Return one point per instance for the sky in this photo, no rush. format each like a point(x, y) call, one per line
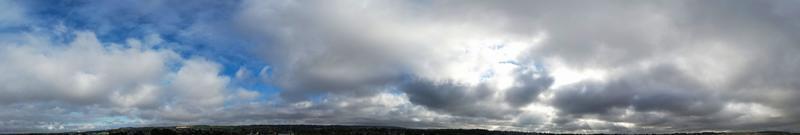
point(560, 66)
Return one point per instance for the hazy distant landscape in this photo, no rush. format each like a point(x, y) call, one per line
point(335, 130)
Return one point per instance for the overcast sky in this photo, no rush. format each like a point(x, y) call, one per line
point(528, 65)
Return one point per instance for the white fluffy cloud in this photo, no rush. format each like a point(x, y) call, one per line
point(81, 71)
point(107, 80)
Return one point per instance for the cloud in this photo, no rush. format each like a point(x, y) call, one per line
point(481, 100)
point(689, 76)
point(455, 98)
point(664, 60)
point(198, 79)
point(102, 80)
point(323, 55)
point(14, 15)
point(528, 86)
point(556, 66)
point(660, 90)
point(80, 71)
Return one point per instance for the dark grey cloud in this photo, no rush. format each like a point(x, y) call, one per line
point(453, 98)
point(660, 89)
point(481, 100)
point(530, 84)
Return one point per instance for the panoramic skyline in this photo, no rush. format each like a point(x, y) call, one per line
point(557, 66)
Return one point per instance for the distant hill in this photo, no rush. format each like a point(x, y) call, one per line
point(328, 130)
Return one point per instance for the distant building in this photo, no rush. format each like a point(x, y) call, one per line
point(182, 127)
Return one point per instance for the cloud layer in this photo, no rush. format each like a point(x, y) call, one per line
point(544, 66)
